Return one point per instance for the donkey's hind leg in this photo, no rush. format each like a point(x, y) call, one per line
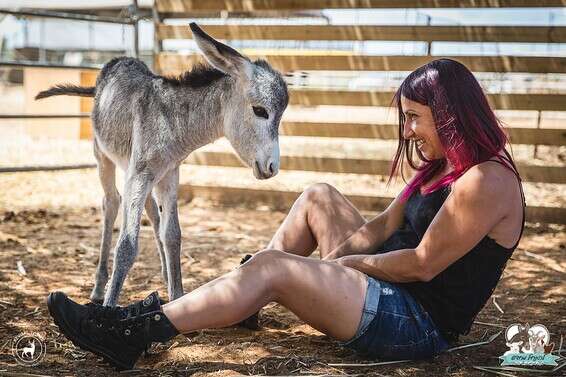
point(153, 213)
point(138, 185)
point(110, 206)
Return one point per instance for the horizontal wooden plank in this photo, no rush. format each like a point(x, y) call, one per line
point(529, 136)
point(172, 63)
point(306, 163)
point(529, 173)
point(553, 215)
point(527, 34)
point(283, 200)
point(278, 199)
point(178, 8)
point(538, 136)
point(351, 130)
point(545, 174)
point(508, 101)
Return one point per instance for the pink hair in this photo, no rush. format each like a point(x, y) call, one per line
point(468, 129)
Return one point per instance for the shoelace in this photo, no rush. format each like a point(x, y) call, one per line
point(113, 318)
point(110, 316)
point(101, 315)
point(101, 312)
point(132, 310)
point(133, 313)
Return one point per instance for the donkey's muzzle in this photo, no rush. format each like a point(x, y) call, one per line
point(264, 172)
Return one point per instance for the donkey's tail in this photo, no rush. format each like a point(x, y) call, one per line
point(67, 89)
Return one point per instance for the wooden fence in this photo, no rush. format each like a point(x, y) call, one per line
point(174, 63)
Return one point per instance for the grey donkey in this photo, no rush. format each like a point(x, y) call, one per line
point(148, 124)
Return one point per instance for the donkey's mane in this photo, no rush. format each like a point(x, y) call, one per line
point(200, 75)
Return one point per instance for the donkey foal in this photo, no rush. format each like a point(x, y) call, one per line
point(148, 124)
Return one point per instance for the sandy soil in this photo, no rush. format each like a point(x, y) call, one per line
point(50, 222)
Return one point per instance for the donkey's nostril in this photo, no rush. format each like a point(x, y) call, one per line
point(270, 168)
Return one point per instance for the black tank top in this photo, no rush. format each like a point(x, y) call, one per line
point(456, 295)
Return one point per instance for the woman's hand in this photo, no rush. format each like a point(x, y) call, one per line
point(346, 261)
point(372, 234)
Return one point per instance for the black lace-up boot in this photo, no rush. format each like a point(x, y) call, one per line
point(252, 322)
point(151, 303)
point(120, 335)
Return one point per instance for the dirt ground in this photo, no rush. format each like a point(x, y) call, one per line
point(57, 246)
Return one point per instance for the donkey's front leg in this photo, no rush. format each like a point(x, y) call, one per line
point(153, 214)
point(170, 231)
point(137, 187)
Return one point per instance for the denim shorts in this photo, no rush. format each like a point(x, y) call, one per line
point(394, 326)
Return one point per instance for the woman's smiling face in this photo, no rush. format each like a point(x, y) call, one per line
point(420, 127)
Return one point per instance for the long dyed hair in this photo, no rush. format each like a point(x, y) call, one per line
point(467, 127)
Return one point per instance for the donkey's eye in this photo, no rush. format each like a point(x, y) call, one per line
point(260, 112)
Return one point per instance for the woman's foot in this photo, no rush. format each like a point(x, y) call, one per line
point(120, 335)
point(252, 322)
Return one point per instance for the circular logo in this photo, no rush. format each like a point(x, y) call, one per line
point(28, 349)
point(522, 338)
point(148, 301)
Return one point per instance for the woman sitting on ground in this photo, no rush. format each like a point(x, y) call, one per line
point(400, 286)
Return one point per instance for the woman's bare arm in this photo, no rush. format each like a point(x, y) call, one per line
point(478, 202)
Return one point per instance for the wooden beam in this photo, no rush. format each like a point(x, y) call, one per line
point(305, 163)
point(88, 78)
point(172, 63)
point(527, 34)
point(529, 173)
point(545, 174)
point(350, 130)
point(518, 135)
point(278, 199)
point(532, 136)
point(315, 97)
point(283, 200)
point(555, 215)
point(181, 8)
point(537, 136)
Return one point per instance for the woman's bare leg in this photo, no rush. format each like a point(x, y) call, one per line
point(321, 217)
point(326, 295)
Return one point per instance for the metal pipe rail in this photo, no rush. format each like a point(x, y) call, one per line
point(32, 64)
point(69, 16)
point(21, 169)
point(43, 116)
point(132, 19)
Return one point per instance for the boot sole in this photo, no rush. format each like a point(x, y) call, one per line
point(77, 341)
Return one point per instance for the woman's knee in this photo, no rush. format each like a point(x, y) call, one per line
point(265, 260)
point(318, 193)
point(271, 264)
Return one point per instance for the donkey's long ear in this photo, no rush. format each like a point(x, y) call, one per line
point(220, 56)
